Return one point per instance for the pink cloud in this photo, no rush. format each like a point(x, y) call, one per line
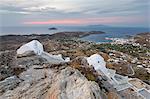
point(65, 21)
point(102, 20)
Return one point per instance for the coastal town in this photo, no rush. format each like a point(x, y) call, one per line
point(64, 67)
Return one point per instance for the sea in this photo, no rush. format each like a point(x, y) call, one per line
point(110, 32)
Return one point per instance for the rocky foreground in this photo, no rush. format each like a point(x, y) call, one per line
point(33, 77)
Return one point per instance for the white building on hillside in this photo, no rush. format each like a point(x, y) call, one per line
point(36, 47)
point(119, 82)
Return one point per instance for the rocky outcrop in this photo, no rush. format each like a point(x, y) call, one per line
point(82, 65)
point(27, 62)
point(7, 62)
point(46, 82)
point(73, 85)
point(9, 84)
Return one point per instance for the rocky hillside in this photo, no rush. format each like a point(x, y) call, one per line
point(33, 77)
point(49, 82)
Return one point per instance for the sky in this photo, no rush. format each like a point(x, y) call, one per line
point(74, 12)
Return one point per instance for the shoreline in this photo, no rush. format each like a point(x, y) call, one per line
point(82, 33)
point(71, 34)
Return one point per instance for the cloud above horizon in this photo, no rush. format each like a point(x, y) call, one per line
point(118, 12)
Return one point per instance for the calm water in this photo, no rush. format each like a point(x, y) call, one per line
point(115, 32)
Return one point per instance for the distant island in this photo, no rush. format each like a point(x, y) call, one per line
point(52, 28)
